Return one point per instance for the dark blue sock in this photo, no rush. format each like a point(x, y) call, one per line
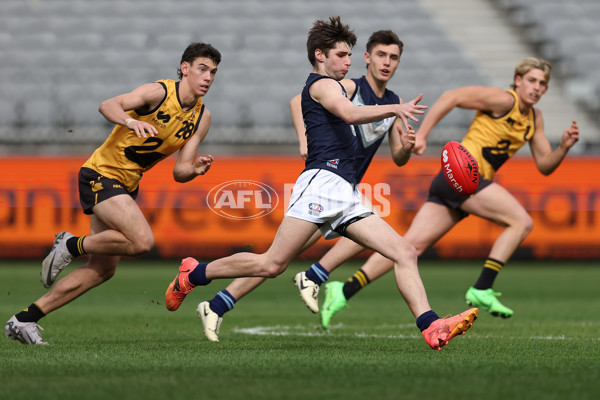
point(198, 276)
point(222, 302)
point(317, 274)
point(425, 319)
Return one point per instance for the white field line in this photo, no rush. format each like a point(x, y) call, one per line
point(302, 330)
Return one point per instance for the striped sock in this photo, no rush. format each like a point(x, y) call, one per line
point(75, 246)
point(222, 302)
point(356, 282)
point(317, 274)
point(490, 270)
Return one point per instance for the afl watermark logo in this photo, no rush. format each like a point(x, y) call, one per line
point(242, 199)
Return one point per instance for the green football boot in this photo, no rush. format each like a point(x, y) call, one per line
point(334, 302)
point(488, 300)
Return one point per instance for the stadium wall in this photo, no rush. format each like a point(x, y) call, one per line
point(239, 204)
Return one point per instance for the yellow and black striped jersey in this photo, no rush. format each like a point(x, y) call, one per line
point(125, 157)
point(493, 140)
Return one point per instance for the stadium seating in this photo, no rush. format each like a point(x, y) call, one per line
point(568, 34)
point(61, 58)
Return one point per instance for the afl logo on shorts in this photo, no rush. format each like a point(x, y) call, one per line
point(242, 199)
point(315, 209)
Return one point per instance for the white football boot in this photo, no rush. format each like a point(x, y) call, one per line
point(58, 258)
point(309, 291)
point(24, 332)
point(210, 320)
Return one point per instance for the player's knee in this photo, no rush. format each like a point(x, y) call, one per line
point(273, 270)
point(406, 252)
point(142, 246)
point(104, 269)
point(420, 249)
point(412, 253)
point(526, 225)
point(106, 274)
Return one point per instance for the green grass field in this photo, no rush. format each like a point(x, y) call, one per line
point(118, 341)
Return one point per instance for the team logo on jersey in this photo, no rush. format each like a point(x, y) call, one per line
point(163, 117)
point(333, 163)
point(242, 199)
point(315, 209)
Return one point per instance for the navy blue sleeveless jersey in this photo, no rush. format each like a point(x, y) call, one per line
point(370, 136)
point(330, 140)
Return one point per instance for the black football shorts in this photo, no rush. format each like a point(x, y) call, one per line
point(94, 188)
point(440, 192)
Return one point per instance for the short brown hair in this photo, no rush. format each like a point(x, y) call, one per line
point(195, 50)
point(324, 35)
point(385, 37)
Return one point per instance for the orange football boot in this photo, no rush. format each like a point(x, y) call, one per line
point(181, 285)
point(442, 330)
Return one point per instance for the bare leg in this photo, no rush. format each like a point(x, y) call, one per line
point(126, 230)
point(97, 270)
point(291, 238)
point(374, 233)
point(341, 252)
point(496, 204)
point(242, 286)
point(422, 234)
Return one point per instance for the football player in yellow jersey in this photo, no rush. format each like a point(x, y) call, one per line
point(504, 121)
point(151, 122)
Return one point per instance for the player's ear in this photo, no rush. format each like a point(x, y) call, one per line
point(320, 55)
point(185, 68)
point(517, 81)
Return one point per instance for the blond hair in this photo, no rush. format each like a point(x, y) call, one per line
point(530, 63)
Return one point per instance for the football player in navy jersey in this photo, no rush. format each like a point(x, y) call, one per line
point(382, 57)
point(505, 120)
point(109, 181)
point(325, 197)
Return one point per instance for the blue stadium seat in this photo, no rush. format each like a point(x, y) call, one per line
point(92, 50)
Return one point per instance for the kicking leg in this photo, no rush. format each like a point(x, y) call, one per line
point(422, 234)
point(374, 233)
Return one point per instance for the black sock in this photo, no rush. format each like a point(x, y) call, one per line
point(75, 246)
point(425, 319)
point(488, 274)
point(356, 282)
point(31, 314)
point(197, 276)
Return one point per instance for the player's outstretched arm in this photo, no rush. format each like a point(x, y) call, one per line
point(329, 94)
point(547, 160)
point(491, 99)
point(408, 110)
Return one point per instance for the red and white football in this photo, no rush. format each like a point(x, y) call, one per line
point(460, 168)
